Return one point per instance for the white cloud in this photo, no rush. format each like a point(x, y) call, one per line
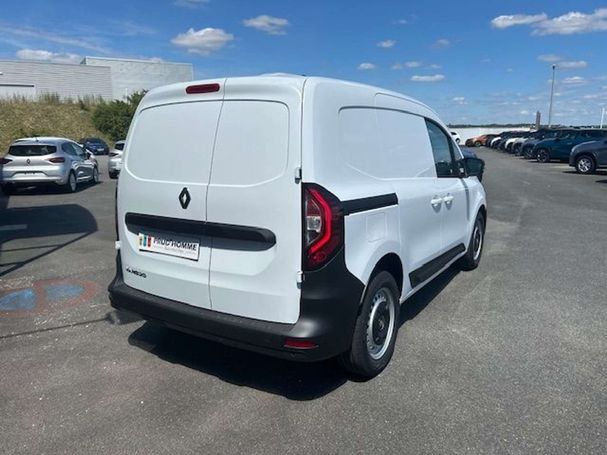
point(433, 78)
point(550, 58)
point(73, 41)
point(459, 99)
point(48, 56)
point(413, 64)
point(366, 66)
point(517, 19)
point(524, 112)
point(509, 70)
point(268, 24)
point(572, 64)
point(573, 22)
point(397, 66)
point(386, 44)
point(190, 3)
point(402, 22)
point(574, 80)
point(203, 41)
point(562, 64)
point(442, 43)
point(434, 66)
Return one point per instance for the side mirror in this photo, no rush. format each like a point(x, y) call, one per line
point(88, 155)
point(474, 167)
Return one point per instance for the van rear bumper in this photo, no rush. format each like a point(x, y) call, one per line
point(330, 300)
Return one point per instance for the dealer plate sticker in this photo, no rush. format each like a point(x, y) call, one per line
point(178, 246)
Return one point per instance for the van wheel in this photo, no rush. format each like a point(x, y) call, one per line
point(543, 156)
point(472, 257)
point(71, 184)
point(585, 165)
point(95, 175)
point(375, 331)
point(477, 144)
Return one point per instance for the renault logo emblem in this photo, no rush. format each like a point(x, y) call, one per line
point(184, 198)
point(28, 161)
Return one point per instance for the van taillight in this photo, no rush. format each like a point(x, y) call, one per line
point(202, 88)
point(58, 159)
point(323, 228)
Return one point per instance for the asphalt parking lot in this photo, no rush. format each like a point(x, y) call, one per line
point(510, 358)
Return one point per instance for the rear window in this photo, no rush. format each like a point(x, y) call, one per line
point(174, 142)
point(31, 150)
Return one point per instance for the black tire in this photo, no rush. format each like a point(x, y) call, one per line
point(373, 345)
point(113, 175)
point(528, 153)
point(543, 156)
point(95, 179)
point(477, 144)
point(72, 183)
point(473, 256)
point(517, 149)
point(585, 164)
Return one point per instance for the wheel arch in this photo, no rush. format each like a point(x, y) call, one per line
point(392, 264)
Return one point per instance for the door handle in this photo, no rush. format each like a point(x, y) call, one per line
point(436, 201)
point(448, 198)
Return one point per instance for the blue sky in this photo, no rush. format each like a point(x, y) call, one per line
point(472, 61)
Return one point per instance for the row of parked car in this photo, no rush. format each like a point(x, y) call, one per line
point(583, 148)
point(37, 161)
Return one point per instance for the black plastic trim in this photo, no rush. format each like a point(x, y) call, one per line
point(200, 228)
point(430, 268)
point(369, 203)
point(330, 299)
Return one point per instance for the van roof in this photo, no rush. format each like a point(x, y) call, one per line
point(161, 95)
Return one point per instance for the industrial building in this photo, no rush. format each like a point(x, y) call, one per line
point(98, 77)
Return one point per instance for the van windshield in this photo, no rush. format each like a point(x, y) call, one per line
point(31, 150)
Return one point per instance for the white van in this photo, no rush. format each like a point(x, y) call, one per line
point(290, 215)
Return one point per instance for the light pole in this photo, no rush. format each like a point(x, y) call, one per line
point(551, 97)
point(602, 116)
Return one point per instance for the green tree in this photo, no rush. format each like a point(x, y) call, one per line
point(114, 118)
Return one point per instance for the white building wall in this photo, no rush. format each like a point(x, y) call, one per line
point(470, 132)
point(68, 81)
point(129, 76)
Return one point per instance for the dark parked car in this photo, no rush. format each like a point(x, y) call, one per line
point(95, 145)
point(528, 147)
point(559, 148)
point(589, 156)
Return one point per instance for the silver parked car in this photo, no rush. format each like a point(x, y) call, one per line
point(114, 164)
point(47, 160)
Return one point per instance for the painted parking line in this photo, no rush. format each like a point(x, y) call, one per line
point(13, 227)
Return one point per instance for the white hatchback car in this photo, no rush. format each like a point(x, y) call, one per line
point(295, 215)
point(114, 164)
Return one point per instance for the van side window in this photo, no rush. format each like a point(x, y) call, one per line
point(441, 149)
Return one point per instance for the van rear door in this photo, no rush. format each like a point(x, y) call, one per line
point(253, 192)
point(162, 195)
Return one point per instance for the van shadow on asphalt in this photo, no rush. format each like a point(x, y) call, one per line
point(293, 380)
point(39, 222)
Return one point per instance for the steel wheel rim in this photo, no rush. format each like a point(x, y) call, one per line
point(380, 325)
point(584, 164)
point(72, 182)
point(477, 241)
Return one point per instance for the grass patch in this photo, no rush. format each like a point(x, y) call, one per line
point(47, 117)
